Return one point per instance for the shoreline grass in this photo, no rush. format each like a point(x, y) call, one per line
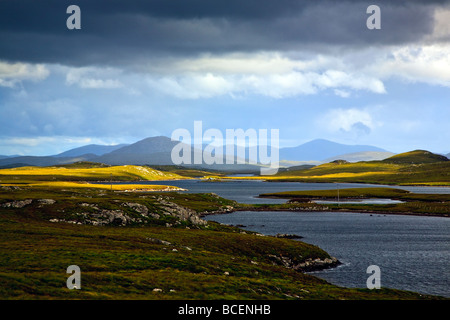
point(156, 262)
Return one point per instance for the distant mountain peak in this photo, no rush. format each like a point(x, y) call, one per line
point(149, 145)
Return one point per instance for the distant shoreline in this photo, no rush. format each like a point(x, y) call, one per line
point(344, 210)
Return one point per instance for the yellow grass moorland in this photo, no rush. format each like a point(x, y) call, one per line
point(60, 173)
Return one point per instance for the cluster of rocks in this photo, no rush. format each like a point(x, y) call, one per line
point(10, 188)
point(65, 221)
point(110, 217)
point(288, 236)
point(45, 202)
point(307, 265)
point(141, 209)
point(312, 208)
point(224, 209)
point(166, 243)
point(317, 264)
point(123, 217)
point(183, 213)
point(17, 204)
point(299, 200)
point(159, 241)
point(117, 217)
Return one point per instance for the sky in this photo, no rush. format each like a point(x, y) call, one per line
point(311, 69)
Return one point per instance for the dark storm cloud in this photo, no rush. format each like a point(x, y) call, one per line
point(126, 32)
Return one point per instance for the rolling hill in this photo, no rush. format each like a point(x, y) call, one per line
point(362, 156)
point(83, 171)
point(415, 167)
point(416, 157)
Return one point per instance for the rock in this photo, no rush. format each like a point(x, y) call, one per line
point(65, 221)
point(299, 200)
point(158, 241)
point(46, 201)
point(317, 264)
point(10, 188)
point(17, 204)
point(90, 205)
point(114, 217)
point(157, 290)
point(307, 265)
point(288, 236)
point(184, 214)
point(223, 209)
point(141, 209)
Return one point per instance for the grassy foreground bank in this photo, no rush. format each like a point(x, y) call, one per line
point(149, 246)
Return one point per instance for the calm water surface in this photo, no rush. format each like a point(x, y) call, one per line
point(412, 252)
point(246, 191)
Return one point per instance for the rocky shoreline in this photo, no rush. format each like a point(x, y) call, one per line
point(307, 265)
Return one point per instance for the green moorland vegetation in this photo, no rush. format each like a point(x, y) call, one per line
point(161, 252)
point(144, 245)
point(411, 168)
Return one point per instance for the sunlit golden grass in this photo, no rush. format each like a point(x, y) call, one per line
point(113, 187)
point(375, 172)
point(348, 175)
point(123, 173)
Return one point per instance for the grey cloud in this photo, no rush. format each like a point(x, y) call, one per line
point(123, 33)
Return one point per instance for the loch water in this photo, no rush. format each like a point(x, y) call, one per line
point(413, 252)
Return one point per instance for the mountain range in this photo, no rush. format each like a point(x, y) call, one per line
point(95, 149)
point(321, 149)
point(157, 151)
